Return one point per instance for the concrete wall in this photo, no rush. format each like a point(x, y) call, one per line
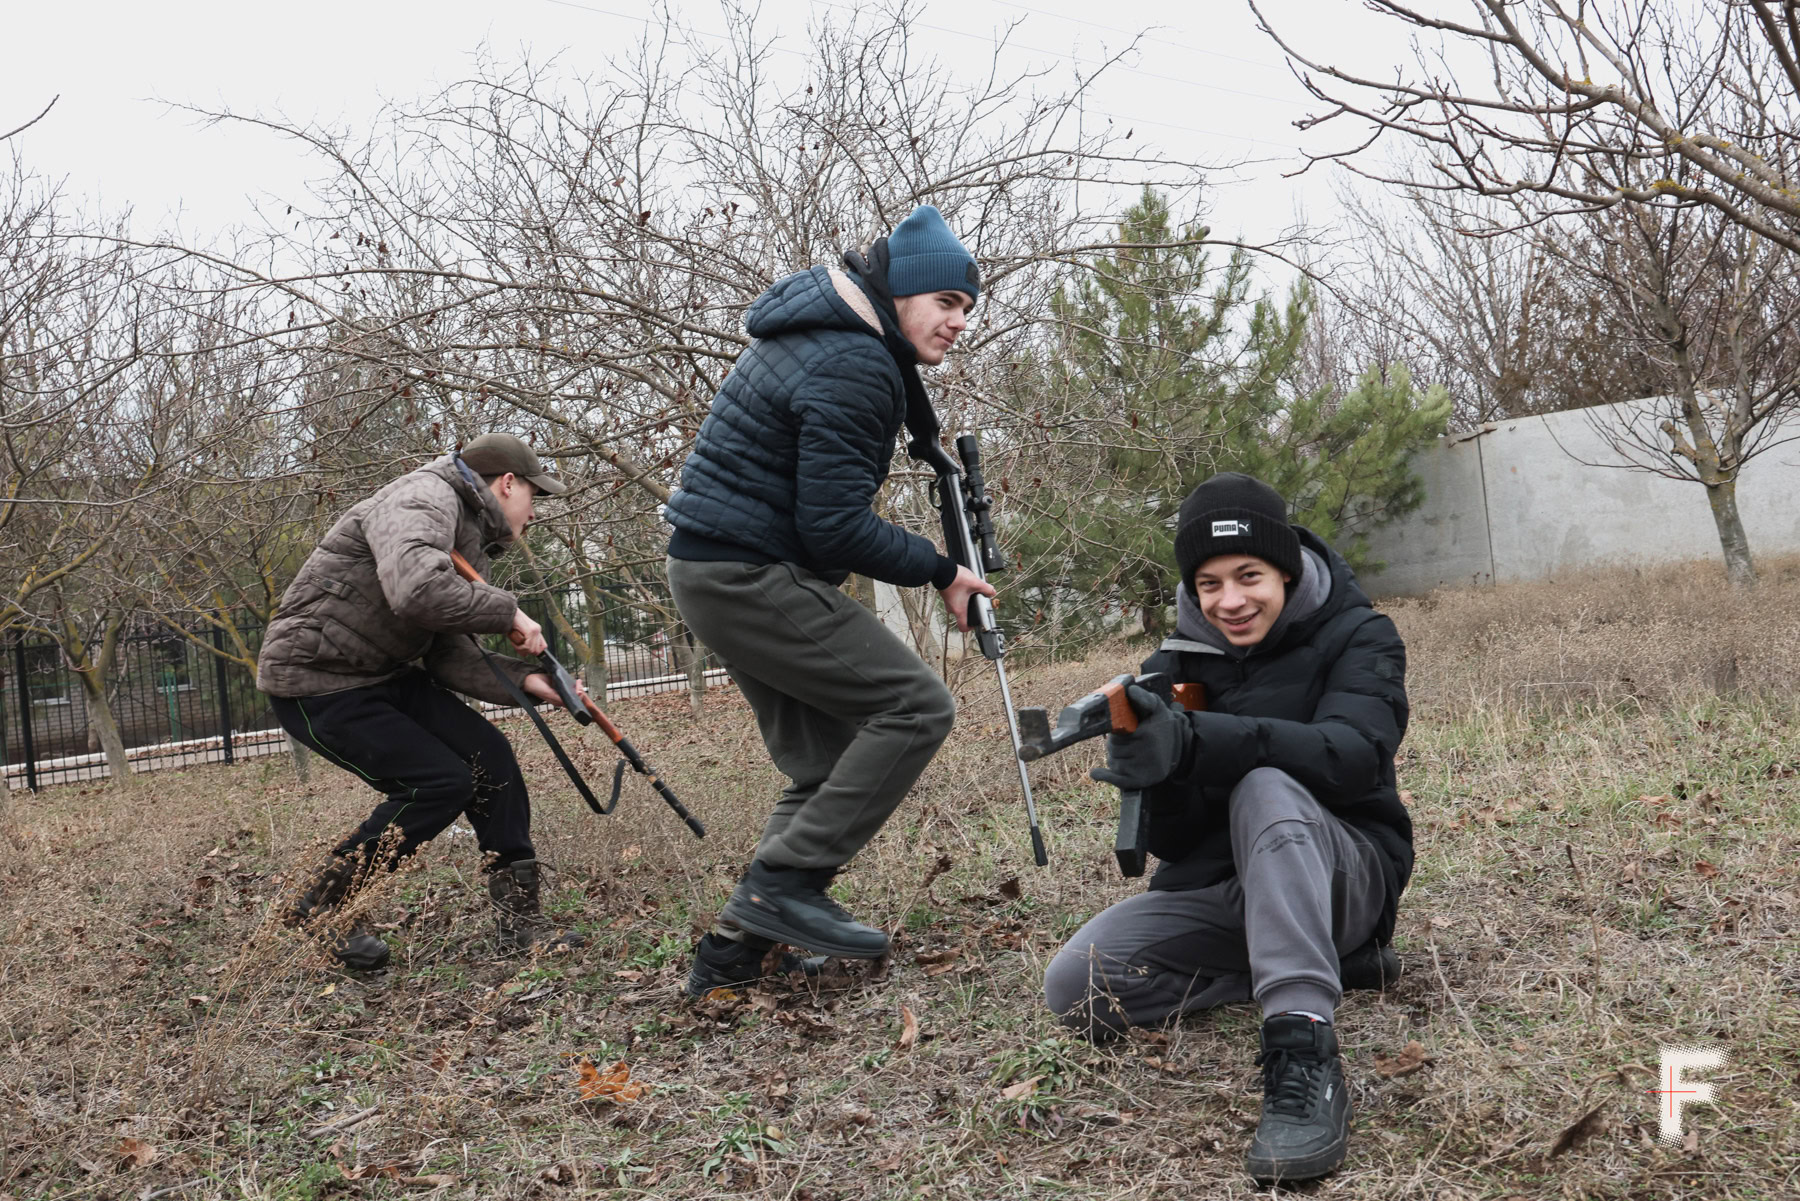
point(1527, 499)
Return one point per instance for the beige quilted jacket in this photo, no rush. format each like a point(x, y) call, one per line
point(379, 593)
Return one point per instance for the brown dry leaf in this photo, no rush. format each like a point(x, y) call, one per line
point(944, 863)
point(1580, 1131)
point(1023, 1088)
point(1707, 871)
point(1710, 800)
point(1690, 1142)
point(439, 1181)
point(441, 1060)
point(631, 974)
point(560, 1173)
point(801, 1020)
point(932, 958)
point(1668, 819)
point(1009, 888)
point(135, 1152)
point(909, 1029)
point(1412, 1057)
point(1660, 799)
point(615, 1084)
point(1630, 874)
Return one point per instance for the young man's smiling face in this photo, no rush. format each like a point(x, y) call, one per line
point(931, 321)
point(1240, 596)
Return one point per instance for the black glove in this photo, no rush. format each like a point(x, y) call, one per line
point(1152, 753)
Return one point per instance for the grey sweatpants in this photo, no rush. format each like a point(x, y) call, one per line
point(848, 712)
point(1308, 889)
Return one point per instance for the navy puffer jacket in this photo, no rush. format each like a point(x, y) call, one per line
point(799, 440)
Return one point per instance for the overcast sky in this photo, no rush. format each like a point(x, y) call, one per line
point(1204, 84)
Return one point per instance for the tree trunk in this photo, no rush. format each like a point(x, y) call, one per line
point(302, 759)
point(690, 656)
point(596, 672)
point(101, 720)
point(1740, 568)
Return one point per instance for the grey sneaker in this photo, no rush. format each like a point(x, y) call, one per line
point(791, 906)
point(1305, 1124)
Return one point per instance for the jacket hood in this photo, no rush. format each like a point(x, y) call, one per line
point(818, 298)
point(496, 531)
point(1326, 588)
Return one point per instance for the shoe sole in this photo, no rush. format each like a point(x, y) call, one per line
point(1294, 1171)
point(776, 933)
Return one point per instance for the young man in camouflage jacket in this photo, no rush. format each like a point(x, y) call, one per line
point(366, 646)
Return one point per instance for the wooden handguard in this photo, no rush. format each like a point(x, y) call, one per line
point(467, 571)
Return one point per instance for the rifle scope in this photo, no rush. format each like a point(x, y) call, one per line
point(968, 448)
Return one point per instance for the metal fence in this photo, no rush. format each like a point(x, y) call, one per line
point(178, 700)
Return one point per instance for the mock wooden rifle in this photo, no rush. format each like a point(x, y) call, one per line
point(582, 708)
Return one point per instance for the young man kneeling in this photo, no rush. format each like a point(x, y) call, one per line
point(1283, 842)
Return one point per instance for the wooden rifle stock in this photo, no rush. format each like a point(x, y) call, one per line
point(583, 709)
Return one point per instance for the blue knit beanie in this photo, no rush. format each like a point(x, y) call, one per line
point(924, 256)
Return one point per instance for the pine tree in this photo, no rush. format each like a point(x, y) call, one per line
point(1167, 372)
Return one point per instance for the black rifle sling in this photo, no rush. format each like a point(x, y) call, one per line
point(562, 756)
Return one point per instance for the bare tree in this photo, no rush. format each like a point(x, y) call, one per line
point(572, 260)
point(1646, 149)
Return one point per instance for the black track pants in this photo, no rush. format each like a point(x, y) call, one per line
point(432, 755)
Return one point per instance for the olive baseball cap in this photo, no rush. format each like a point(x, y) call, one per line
point(497, 454)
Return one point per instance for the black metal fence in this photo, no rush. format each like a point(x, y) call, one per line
point(178, 699)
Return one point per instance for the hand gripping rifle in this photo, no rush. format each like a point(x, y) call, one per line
point(584, 711)
point(962, 502)
point(1108, 711)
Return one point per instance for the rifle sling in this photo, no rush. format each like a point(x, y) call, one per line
point(562, 756)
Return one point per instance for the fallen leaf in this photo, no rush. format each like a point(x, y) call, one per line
point(1009, 888)
point(615, 1084)
point(135, 1152)
point(560, 1173)
point(443, 1181)
point(1023, 1088)
point(1659, 799)
point(1707, 871)
point(1579, 1131)
point(1412, 1057)
point(328, 990)
point(909, 1029)
point(1690, 1142)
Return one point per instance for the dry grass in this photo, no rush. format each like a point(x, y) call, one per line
point(145, 995)
point(1650, 635)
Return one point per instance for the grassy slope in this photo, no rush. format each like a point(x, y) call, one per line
point(144, 995)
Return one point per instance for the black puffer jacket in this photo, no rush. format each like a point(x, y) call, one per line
point(799, 440)
point(1325, 703)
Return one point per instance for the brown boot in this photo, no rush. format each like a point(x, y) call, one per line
point(518, 910)
point(331, 887)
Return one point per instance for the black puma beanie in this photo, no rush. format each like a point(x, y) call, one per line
point(1235, 514)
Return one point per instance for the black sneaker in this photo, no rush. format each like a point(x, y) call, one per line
point(792, 907)
point(1306, 1108)
point(360, 951)
point(1369, 966)
point(727, 963)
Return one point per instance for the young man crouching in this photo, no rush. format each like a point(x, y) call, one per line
point(1283, 842)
